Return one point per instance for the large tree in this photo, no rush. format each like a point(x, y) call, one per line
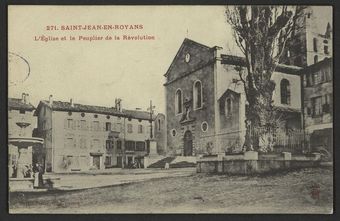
point(261, 33)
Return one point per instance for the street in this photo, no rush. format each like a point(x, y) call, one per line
point(302, 191)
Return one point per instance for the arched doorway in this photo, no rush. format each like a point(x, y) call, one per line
point(187, 143)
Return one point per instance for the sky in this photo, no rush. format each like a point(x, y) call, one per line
point(97, 72)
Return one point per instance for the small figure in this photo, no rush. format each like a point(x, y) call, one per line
point(15, 170)
point(36, 176)
point(41, 171)
point(31, 171)
point(26, 171)
point(167, 165)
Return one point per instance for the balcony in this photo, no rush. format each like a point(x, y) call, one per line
point(113, 134)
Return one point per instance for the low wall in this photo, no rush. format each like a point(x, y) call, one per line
point(16, 184)
point(252, 163)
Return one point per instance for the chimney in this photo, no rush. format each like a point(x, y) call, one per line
point(71, 102)
point(118, 104)
point(328, 33)
point(50, 99)
point(27, 99)
point(23, 98)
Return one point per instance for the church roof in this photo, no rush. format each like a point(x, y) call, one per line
point(236, 60)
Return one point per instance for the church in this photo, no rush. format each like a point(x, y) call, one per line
point(205, 107)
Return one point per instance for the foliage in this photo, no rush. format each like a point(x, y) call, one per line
point(233, 145)
point(210, 148)
point(261, 33)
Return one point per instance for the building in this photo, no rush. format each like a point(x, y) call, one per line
point(206, 108)
point(21, 145)
point(82, 137)
point(318, 104)
point(308, 43)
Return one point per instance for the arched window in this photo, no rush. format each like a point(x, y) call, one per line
point(197, 94)
point(228, 106)
point(316, 59)
point(178, 101)
point(315, 44)
point(285, 91)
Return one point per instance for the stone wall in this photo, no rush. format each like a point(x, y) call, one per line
point(250, 163)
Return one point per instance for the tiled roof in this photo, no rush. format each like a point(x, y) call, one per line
point(144, 115)
point(66, 106)
point(236, 60)
point(18, 104)
point(317, 66)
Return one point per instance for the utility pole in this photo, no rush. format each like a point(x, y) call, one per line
point(151, 110)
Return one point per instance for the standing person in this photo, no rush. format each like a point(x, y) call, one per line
point(15, 170)
point(167, 165)
point(31, 170)
point(36, 176)
point(40, 175)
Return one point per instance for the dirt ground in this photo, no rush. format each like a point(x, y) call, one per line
point(302, 191)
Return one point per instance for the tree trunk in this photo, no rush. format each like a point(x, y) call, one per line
point(259, 117)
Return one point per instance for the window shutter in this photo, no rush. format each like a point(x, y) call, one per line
point(309, 111)
point(75, 142)
point(325, 108)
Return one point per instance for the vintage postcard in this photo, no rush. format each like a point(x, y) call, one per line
point(170, 109)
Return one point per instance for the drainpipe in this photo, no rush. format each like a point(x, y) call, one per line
point(123, 146)
point(217, 62)
point(302, 110)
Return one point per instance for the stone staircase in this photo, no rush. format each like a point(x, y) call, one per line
point(175, 162)
point(161, 163)
point(183, 162)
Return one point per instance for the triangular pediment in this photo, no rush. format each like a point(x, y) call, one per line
point(229, 93)
point(190, 57)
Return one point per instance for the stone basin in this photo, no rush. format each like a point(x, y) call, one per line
point(25, 141)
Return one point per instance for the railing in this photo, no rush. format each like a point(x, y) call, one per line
point(291, 140)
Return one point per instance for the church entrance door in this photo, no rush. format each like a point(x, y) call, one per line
point(188, 143)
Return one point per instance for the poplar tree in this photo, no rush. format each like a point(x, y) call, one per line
point(261, 33)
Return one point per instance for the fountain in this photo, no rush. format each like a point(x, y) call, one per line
point(22, 143)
